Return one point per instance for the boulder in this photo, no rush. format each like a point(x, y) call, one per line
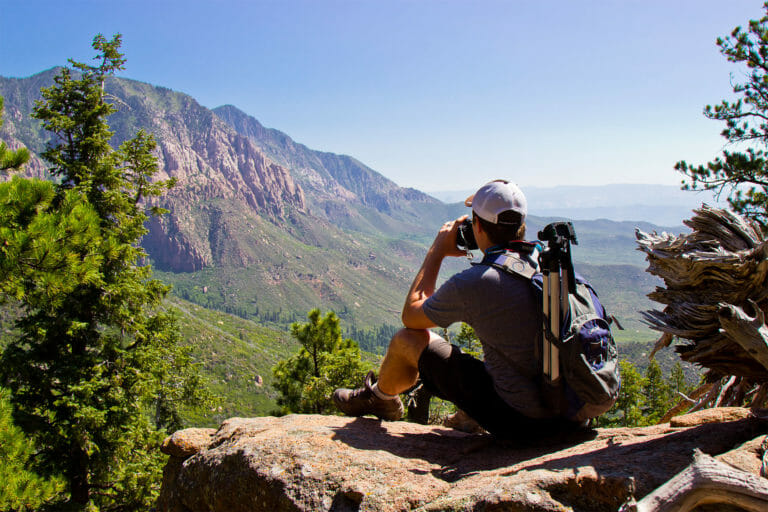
point(187, 442)
point(332, 463)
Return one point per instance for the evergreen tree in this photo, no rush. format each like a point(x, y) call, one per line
point(468, 341)
point(20, 488)
point(743, 172)
point(657, 393)
point(97, 367)
point(677, 382)
point(631, 399)
point(324, 362)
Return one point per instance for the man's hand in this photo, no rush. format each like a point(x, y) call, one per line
point(424, 283)
point(445, 241)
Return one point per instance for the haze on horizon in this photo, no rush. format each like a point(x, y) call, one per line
point(435, 95)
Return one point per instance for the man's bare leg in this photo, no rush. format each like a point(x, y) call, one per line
point(399, 370)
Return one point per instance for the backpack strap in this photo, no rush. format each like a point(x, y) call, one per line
point(517, 258)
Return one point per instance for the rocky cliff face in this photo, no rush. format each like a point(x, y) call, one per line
point(211, 161)
point(321, 463)
point(213, 165)
point(338, 186)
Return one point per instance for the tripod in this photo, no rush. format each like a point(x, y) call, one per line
point(558, 280)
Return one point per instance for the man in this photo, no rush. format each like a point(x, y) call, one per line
point(501, 393)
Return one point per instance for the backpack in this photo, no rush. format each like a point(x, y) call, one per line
point(589, 380)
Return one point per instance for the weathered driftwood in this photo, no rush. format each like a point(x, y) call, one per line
point(709, 398)
point(748, 331)
point(715, 294)
point(706, 481)
point(760, 396)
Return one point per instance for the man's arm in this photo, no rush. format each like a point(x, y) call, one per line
point(423, 285)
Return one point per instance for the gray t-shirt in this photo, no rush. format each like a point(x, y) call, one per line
point(502, 309)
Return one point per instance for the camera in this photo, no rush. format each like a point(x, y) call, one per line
point(465, 237)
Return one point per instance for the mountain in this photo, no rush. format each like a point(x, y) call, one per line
point(265, 228)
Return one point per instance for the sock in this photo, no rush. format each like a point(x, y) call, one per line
point(379, 393)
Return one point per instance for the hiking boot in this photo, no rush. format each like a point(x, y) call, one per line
point(362, 401)
point(460, 420)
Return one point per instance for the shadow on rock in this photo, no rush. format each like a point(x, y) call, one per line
point(457, 453)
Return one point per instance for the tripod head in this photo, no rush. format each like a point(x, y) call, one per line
point(558, 235)
point(557, 255)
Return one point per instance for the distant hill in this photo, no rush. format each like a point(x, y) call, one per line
point(237, 356)
point(664, 205)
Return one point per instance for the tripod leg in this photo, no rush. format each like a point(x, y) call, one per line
point(554, 325)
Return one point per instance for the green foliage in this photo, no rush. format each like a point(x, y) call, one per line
point(20, 488)
point(646, 397)
point(324, 362)
point(237, 356)
point(677, 380)
point(46, 250)
point(96, 372)
point(631, 398)
point(468, 341)
point(743, 171)
point(657, 392)
point(9, 159)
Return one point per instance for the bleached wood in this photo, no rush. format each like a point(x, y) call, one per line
point(759, 398)
point(710, 396)
point(707, 481)
point(750, 332)
point(724, 391)
point(710, 277)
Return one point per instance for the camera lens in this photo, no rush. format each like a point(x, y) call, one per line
point(465, 237)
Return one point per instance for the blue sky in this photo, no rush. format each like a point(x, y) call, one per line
point(437, 95)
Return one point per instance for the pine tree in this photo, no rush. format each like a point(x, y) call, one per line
point(20, 488)
point(677, 382)
point(468, 341)
point(658, 395)
point(631, 399)
point(324, 362)
point(97, 367)
point(743, 171)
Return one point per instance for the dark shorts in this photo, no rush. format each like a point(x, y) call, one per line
point(462, 379)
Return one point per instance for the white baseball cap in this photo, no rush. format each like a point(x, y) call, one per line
point(496, 197)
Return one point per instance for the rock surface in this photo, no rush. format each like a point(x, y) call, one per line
point(313, 463)
point(716, 415)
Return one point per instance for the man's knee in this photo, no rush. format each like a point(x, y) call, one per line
point(410, 343)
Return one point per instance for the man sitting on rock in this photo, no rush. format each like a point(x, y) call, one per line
point(502, 392)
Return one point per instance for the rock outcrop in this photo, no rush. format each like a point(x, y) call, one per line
point(314, 463)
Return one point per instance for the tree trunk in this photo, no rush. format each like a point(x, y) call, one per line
point(79, 486)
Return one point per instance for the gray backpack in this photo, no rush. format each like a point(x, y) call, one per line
point(579, 365)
